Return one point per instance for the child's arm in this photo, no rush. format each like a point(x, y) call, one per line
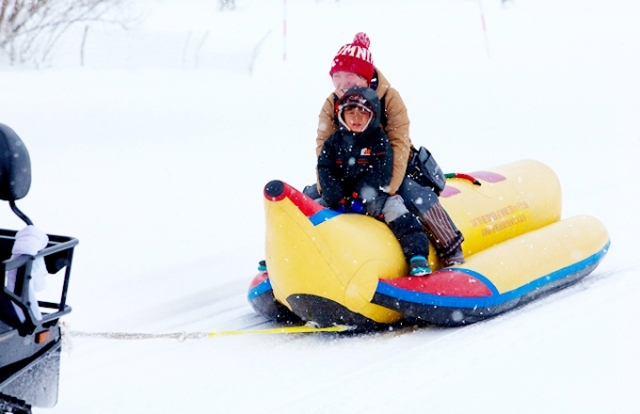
point(329, 175)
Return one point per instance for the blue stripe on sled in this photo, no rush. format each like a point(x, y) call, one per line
point(322, 216)
point(260, 288)
point(496, 298)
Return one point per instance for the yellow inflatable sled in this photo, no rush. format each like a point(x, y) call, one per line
point(331, 268)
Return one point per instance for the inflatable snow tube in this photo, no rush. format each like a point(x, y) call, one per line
point(331, 268)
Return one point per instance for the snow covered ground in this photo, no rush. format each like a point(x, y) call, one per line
point(156, 162)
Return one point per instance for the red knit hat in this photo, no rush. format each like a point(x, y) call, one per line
point(355, 58)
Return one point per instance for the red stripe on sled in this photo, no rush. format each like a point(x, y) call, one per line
point(447, 282)
point(306, 205)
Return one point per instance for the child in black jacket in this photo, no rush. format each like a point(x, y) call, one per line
point(354, 168)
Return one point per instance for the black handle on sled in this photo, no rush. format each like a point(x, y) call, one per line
point(463, 176)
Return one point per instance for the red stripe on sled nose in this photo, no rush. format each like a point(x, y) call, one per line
point(307, 206)
point(449, 282)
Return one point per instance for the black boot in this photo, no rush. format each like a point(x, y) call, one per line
point(456, 258)
point(410, 235)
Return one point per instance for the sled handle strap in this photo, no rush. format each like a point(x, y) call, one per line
point(463, 176)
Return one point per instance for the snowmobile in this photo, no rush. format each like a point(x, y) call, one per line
point(30, 341)
point(329, 268)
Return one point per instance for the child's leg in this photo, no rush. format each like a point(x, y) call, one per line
point(443, 234)
point(424, 203)
point(311, 191)
point(406, 228)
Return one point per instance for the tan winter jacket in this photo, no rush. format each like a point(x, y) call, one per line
point(397, 128)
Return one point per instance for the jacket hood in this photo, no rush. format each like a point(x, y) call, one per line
point(364, 95)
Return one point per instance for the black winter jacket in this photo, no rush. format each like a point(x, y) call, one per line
point(356, 162)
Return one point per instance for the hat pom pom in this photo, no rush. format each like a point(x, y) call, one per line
point(363, 39)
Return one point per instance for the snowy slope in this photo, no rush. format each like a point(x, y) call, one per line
point(157, 165)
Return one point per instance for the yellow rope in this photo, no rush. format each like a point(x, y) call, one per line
point(282, 330)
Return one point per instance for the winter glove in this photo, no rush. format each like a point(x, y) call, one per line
point(375, 206)
point(349, 205)
point(357, 206)
point(371, 205)
point(342, 206)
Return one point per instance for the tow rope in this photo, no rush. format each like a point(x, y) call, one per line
point(183, 336)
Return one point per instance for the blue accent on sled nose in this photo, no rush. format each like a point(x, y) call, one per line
point(322, 216)
point(260, 288)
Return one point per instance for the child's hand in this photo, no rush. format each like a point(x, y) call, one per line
point(342, 206)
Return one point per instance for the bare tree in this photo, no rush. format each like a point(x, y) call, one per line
point(227, 4)
point(30, 28)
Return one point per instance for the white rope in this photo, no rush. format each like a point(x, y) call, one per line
point(179, 336)
point(67, 333)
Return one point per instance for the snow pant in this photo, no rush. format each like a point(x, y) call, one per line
point(311, 191)
point(405, 227)
point(423, 202)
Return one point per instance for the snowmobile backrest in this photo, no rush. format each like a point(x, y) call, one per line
point(15, 166)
